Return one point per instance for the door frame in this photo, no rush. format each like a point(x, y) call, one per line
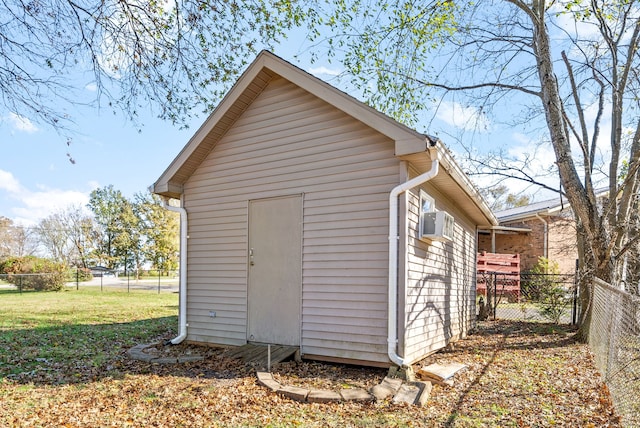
point(300, 272)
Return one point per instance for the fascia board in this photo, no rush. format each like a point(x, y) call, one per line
point(348, 104)
point(223, 107)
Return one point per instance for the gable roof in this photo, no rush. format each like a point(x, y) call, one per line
point(256, 77)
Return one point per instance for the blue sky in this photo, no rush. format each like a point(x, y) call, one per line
point(37, 178)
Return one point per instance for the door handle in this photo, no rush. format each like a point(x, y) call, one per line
point(251, 262)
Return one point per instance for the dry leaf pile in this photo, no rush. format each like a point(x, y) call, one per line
point(518, 374)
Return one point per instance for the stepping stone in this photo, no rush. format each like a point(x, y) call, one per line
point(388, 387)
point(414, 393)
point(441, 372)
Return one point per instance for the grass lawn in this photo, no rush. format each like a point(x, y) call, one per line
point(63, 362)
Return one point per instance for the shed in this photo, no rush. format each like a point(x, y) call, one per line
point(309, 219)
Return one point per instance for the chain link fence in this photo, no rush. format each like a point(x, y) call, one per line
point(149, 280)
point(527, 297)
point(614, 339)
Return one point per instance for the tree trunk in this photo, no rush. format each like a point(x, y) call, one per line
point(584, 281)
point(592, 237)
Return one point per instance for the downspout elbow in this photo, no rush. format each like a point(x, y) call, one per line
point(182, 315)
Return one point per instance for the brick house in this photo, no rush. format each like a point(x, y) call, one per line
point(545, 228)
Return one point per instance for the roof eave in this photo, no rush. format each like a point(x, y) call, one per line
point(452, 167)
point(167, 189)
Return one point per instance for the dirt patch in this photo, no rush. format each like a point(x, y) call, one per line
point(334, 377)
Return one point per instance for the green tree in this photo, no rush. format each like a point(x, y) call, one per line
point(129, 244)
point(82, 235)
point(161, 231)
point(572, 65)
point(119, 241)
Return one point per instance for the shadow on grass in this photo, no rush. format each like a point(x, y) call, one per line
point(75, 353)
point(538, 335)
point(514, 335)
point(14, 290)
point(83, 353)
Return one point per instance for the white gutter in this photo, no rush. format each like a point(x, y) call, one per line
point(392, 320)
point(182, 314)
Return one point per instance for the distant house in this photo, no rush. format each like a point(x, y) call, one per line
point(100, 271)
point(541, 229)
point(317, 222)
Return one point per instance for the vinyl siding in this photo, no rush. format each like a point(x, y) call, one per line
point(289, 142)
point(440, 285)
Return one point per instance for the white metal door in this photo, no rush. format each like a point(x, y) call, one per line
point(275, 270)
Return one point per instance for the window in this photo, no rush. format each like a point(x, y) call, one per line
point(434, 225)
point(427, 206)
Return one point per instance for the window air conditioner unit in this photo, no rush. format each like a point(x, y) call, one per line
point(437, 226)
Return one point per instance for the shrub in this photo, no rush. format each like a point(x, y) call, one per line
point(553, 303)
point(534, 282)
point(80, 274)
point(34, 273)
point(544, 286)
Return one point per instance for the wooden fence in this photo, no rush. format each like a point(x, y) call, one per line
point(508, 268)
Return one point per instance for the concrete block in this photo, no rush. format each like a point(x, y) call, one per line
point(425, 393)
point(262, 376)
point(266, 379)
point(407, 394)
point(293, 392)
point(323, 396)
point(355, 394)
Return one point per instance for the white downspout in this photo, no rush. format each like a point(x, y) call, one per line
point(392, 320)
point(545, 245)
point(182, 314)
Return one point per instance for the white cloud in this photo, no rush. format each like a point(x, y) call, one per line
point(458, 116)
point(9, 183)
point(21, 123)
point(31, 206)
point(322, 70)
point(91, 87)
